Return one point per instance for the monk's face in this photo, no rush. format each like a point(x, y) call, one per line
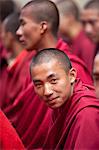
point(52, 83)
point(90, 21)
point(96, 74)
point(29, 31)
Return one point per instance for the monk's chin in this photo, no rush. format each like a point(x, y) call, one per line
point(54, 106)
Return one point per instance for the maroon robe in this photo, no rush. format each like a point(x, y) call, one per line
point(75, 125)
point(84, 49)
point(13, 78)
point(9, 139)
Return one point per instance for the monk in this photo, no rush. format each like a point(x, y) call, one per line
point(11, 7)
point(90, 21)
point(29, 115)
point(9, 139)
point(75, 120)
point(13, 77)
point(6, 8)
point(71, 30)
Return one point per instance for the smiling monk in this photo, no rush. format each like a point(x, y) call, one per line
point(75, 120)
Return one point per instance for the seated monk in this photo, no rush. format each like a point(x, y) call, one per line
point(71, 30)
point(13, 77)
point(75, 120)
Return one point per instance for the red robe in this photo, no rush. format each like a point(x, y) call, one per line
point(13, 78)
point(30, 116)
point(9, 139)
point(3, 71)
point(75, 125)
point(84, 49)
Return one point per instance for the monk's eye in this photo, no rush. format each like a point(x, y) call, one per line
point(92, 22)
point(53, 81)
point(38, 85)
point(22, 23)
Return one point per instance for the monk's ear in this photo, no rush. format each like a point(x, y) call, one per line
point(72, 75)
point(43, 27)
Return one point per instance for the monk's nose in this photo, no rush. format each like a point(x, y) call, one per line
point(88, 28)
point(19, 31)
point(48, 90)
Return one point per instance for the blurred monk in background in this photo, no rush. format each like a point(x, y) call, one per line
point(72, 31)
point(90, 21)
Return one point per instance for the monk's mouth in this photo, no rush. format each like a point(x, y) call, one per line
point(52, 100)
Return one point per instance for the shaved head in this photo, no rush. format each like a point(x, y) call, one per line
point(45, 10)
point(92, 4)
point(90, 20)
point(12, 23)
point(6, 8)
point(46, 55)
point(68, 7)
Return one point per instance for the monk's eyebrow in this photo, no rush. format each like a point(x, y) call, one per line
point(51, 76)
point(36, 81)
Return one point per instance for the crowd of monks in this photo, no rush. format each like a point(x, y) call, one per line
point(28, 120)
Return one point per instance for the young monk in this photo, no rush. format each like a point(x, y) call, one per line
point(72, 29)
point(17, 69)
point(90, 21)
point(75, 120)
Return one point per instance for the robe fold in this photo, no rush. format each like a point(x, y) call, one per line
point(9, 138)
point(29, 115)
point(75, 125)
point(14, 77)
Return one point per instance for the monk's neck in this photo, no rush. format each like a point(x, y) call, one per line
point(48, 42)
